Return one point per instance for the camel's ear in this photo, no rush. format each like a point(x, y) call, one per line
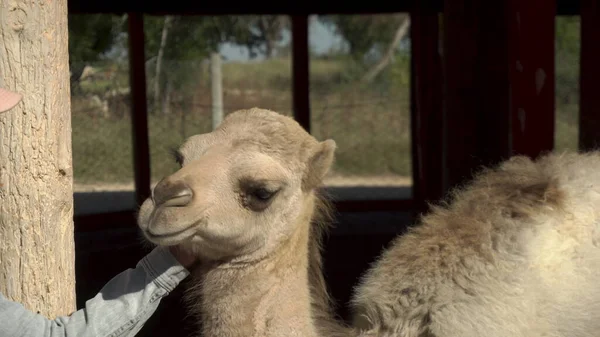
point(319, 163)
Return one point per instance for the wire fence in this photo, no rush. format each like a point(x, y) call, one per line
point(371, 126)
point(369, 121)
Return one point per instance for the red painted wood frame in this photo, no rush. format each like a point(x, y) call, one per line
point(589, 118)
point(301, 104)
point(499, 84)
point(139, 113)
point(531, 57)
point(473, 83)
point(426, 106)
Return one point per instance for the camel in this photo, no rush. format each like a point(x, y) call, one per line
point(245, 201)
point(513, 253)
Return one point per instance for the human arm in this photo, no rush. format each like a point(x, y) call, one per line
point(120, 309)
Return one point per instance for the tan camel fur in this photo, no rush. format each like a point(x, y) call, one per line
point(516, 253)
point(244, 201)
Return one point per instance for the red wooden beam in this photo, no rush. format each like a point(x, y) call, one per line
point(589, 118)
point(531, 60)
point(300, 70)
point(497, 106)
point(426, 106)
point(476, 83)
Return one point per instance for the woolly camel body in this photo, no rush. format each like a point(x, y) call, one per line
point(514, 254)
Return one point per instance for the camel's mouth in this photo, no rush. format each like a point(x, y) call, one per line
point(161, 231)
point(171, 238)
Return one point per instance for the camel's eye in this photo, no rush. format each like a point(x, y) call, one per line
point(263, 194)
point(177, 156)
point(258, 195)
point(259, 198)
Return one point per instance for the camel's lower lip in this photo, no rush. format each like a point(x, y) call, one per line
point(172, 237)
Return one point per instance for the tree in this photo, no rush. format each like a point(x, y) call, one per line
point(36, 196)
point(174, 45)
point(270, 28)
point(387, 57)
point(90, 36)
point(568, 48)
point(364, 32)
point(159, 58)
point(178, 44)
point(179, 55)
point(256, 31)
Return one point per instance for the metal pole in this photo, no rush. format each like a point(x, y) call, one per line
point(217, 91)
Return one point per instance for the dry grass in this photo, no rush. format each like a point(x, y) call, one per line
point(371, 125)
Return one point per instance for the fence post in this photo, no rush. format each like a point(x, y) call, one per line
point(217, 91)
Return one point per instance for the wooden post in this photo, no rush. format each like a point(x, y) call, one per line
point(217, 89)
point(36, 175)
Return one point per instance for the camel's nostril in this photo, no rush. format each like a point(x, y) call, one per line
point(169, 194)
point(179, 200)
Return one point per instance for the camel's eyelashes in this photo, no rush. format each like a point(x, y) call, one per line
point(177, 156)
point(258, 198)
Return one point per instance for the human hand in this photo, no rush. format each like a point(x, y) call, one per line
point(186, 259)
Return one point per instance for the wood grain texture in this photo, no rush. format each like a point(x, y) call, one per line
point(36, 176)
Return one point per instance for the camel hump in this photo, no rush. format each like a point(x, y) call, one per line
point(516, 188)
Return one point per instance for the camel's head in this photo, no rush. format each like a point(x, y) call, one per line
point(240, 188)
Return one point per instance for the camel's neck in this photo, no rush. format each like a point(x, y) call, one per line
point(267, 299)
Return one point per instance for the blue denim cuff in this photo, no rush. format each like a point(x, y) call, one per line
point(164, 268)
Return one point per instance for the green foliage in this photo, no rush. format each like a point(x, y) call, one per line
point(568, 46)
point(370, 123)
point(365, 32)
point(189, 37)
point(90, 36)
point(259, 33)
point(398, 72)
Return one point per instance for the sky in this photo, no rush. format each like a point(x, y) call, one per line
point(320, 37)
point(321, 40)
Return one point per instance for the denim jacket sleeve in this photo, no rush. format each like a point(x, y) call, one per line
point(120, 309)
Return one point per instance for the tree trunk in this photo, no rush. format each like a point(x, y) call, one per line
point(385, 60)
point(36, 176)
point(269, 48)
point(159, 59)
point(166, 101)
